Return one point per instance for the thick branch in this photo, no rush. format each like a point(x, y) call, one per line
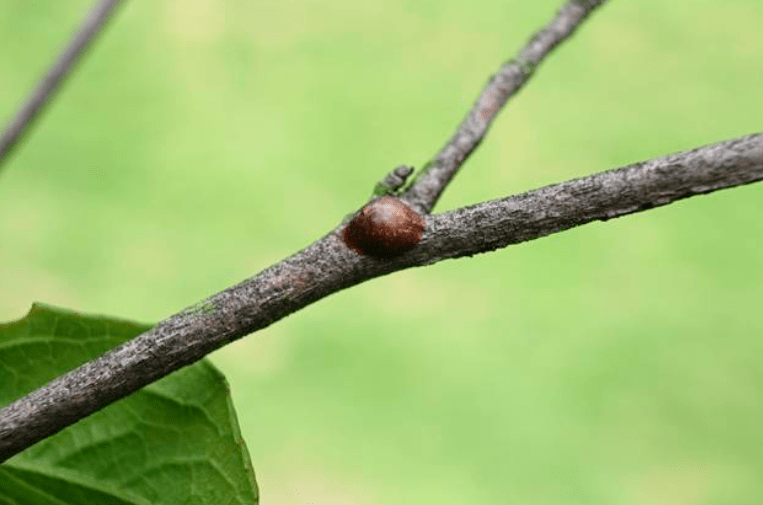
point(435, 176)
point(96, 19)
point(498, 223)
point(328, 266)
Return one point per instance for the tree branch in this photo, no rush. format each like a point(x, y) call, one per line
point(328, 266)
point(94, 22)
point(437, 173)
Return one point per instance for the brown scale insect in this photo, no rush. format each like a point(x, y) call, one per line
point(386, 227)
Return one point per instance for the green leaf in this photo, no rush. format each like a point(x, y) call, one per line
point(176, 441)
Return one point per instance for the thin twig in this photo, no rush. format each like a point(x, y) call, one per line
point(94, 22)
point(435, 175)
point(328, 266)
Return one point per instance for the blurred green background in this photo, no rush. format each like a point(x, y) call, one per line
point(618, 363)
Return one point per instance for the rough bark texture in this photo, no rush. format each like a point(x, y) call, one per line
point(498, 223)
point(328, 266)
point(428, 185)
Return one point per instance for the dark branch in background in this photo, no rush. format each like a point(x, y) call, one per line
point(435, 175)
point(49, 85)
point(328, 266)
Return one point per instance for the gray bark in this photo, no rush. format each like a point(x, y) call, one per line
point(328, 266)
point(428, 185)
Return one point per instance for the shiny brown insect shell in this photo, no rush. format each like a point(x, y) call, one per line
point(384, 228)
